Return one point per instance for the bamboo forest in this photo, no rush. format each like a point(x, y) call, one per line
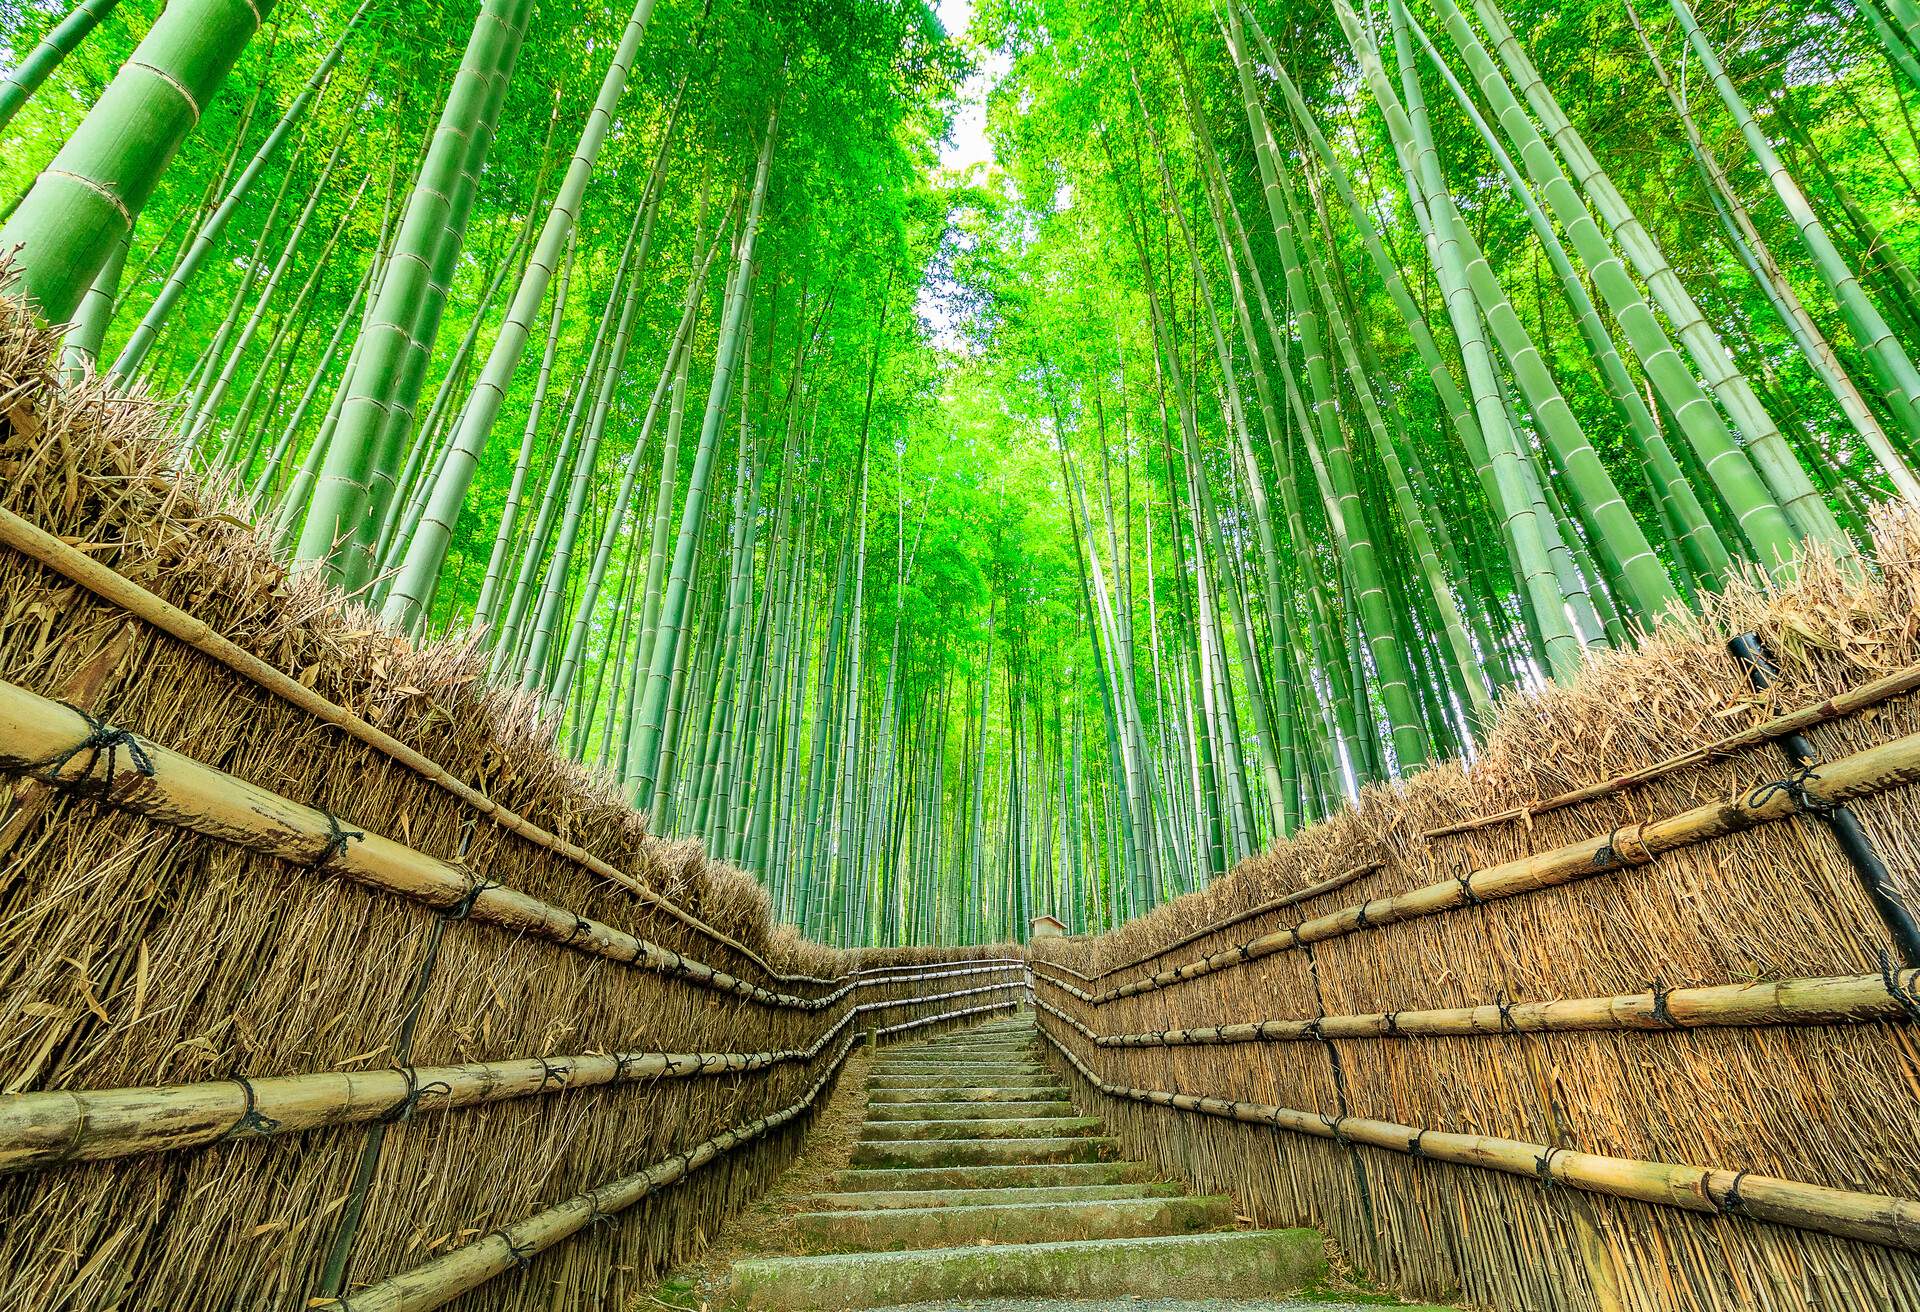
point(967, 464)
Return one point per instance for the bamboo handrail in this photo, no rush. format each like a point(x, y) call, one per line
point(57, 744)
point(1328, 885)
point(439, 1281)
point(962, 1014)
point(52, 1128)
point(1846, 703)
point(1882, 1219)
point(111, 586)
point(1816, 1000)
point(1872, 770)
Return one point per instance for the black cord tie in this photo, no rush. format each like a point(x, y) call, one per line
point(580, 926)
point(337, 840)
point(1415, 1145)
point(522, 1257)
point(404, 1109)
point(101, 738)
point(551, 1074)
point(1731, 1203)
point(1360, 920)
point(1660, 1013)
point(1505, 1008)
point(1392, 1019)
point(1467, 894)
point(1603, 855)
point(594, 1215)
point(1795, 787)
point(1907, 996)
point(252, 1120)
point(1314, 1031)
point(622, 1060)
point(464, 907)
point(1333, 1124)
point(1543, 1167)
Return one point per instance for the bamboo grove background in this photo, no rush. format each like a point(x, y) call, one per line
point(139, 954)
point(1815, 1100)
point(948, 546)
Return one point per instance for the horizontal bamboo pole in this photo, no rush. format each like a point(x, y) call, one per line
point(52, 1128)
point(437, 1282)
point(57, 744)
point(1820, 1000)
point(1871, 1218)
point(924, 1021)
point(115, 588)
point(1876, 769)
point(1328, 885)
point(1879, 690)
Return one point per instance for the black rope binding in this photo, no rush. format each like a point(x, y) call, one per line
point(1543, 1167)
point(403, 1111)
point(337, 840)
point(101, 737)
point(1795, 787)
point(522, 1257)
point(464, 907)
point(1505, 1008)
point(252, 1120)
point(1731, 1203)
point(551, 1074)
point(1660, 1013)
point(1392, 1019)
point(580, 926)
point(594, 1215)
point(1604, 855)
point(1360, 919)
point(1467, 894)
point(1415, 1144)
point(1333, 1124)
point(1906, 997)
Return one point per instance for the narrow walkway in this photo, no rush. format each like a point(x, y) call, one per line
point(976, 1179)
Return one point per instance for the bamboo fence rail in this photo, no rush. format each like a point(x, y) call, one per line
point(59, 745)
point(35, 542)
point(1892, 995)
point(1869, 1218)
point(438, 1282)
point(1863, 774)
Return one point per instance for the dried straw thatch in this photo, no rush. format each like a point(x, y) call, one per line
point(292, 1029)
point(1624, 1013)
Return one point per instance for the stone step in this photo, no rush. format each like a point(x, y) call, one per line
point(955, 1111)
point(1014, 1176)
point(1223, 1265)
point(1004, 1127)
point(986, 1152)
point(977, 1071)
point(963, 1091)
point(1038, 1193)
point(1009, 1223)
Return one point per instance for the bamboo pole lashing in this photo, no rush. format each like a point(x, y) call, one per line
point(116, 589)
point(1871, 1218)
point(440, 1280)
point(1872, 770)
point(1893, 995)
point(51, 1128)
point(58, 744)
point(1885, 688)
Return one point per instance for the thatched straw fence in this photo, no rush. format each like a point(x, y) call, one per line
point(320, 977)
point(1607, 1021)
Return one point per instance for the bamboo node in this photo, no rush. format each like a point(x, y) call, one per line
point(1794, 786)
point(252, 1120)
point(102, 738)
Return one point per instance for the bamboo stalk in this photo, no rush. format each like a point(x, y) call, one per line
point(58, 744)
point(438, 1282)
point(1876, 769)
point(1796, 721)
point(1871, 1218)
point(42, 1130)
point(1818, 1000)
point(112, 587)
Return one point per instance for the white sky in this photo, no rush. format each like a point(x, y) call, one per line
point(970, 145)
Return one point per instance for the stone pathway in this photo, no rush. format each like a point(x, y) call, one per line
point(975, 1178)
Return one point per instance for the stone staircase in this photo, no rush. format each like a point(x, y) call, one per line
point(975, 1177)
